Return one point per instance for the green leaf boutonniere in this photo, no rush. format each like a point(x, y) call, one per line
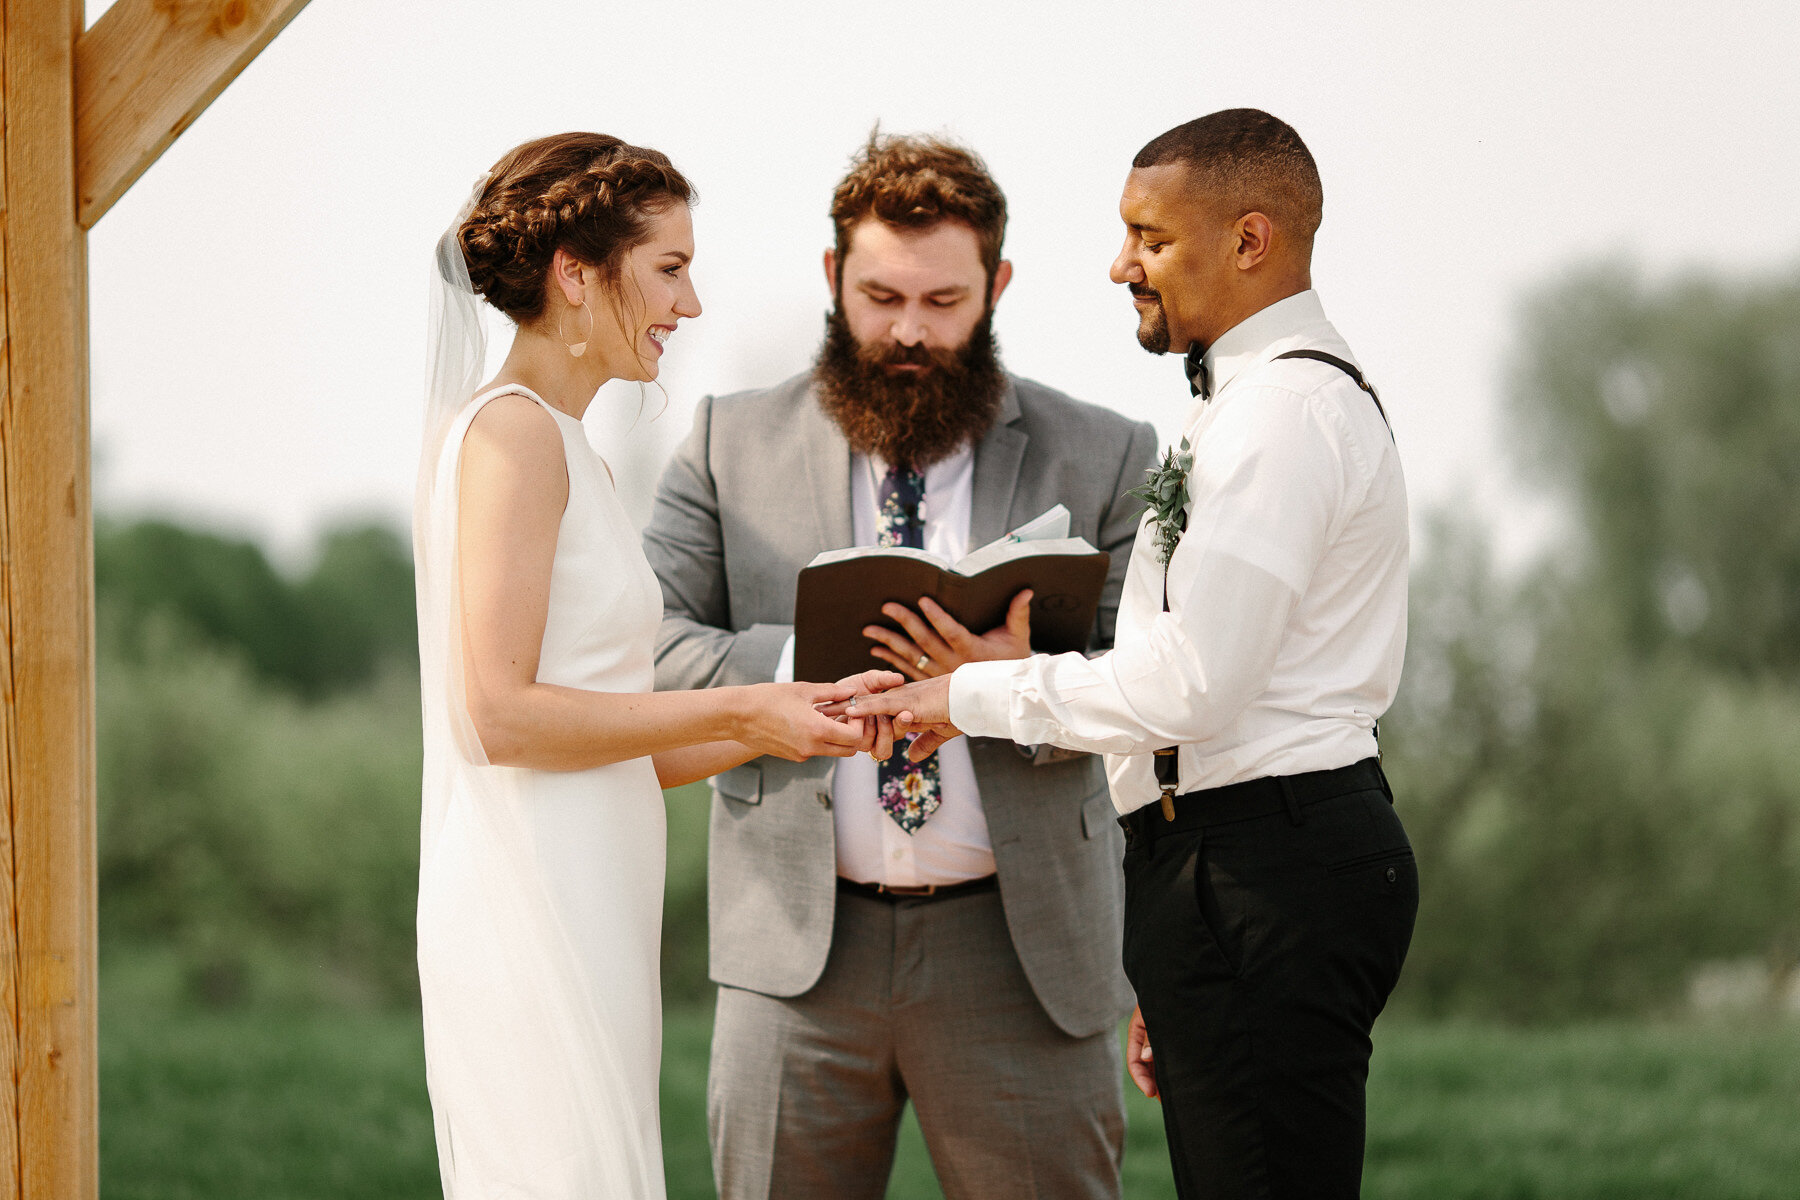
point(1164, 492)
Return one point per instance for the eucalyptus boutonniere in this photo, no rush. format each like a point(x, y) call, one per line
point(1164, 492)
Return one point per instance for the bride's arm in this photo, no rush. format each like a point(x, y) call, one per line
point(691, 764)
point(512, 491)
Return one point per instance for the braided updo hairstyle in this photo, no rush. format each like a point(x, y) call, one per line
point(588, 194)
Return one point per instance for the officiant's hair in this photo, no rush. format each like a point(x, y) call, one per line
point(589, 194)
point(1250, 161)
point(914, 182)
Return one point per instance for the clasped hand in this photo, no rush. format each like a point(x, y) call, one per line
point(927, 648)
point(897, 708)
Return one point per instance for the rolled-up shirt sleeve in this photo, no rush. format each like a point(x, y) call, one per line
point(1267, 487)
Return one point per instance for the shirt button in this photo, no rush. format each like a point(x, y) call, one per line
point(899, 854)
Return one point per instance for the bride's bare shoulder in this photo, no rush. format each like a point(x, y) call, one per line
point(513, 427)
point(513, 445)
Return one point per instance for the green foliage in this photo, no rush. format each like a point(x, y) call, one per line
point(1598, 761)
point(1668, 414)
point(268, 841)
point(272, 843)
point(684, 969)
point(342, 625)
point(1591, 826)
point(198, 1106)
point(359, 594)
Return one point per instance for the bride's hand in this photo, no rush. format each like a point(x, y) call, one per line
point(784, 719)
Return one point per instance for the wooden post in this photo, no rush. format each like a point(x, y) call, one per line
point(131, 84)
point(49, 1091)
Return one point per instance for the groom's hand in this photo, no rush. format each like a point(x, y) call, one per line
point(878, 732)
point(1138, 1058)
point(922, 708)
point(936, 643)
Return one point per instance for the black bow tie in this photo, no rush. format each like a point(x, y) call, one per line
point(1196, 371)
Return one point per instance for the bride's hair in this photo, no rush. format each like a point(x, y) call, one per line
point(588, 194)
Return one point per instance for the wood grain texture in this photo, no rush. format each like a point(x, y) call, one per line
point(49, 1094)
point(145, 71)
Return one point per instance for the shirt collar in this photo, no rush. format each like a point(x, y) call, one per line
point(1244, 342)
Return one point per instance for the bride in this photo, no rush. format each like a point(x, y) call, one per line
point(542, 850)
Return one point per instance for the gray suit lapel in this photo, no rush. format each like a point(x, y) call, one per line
point(827, 476)
point(997, 459)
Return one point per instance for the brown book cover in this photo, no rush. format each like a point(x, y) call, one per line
point(841, 592)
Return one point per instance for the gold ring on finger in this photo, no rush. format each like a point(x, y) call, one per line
point(924, 661)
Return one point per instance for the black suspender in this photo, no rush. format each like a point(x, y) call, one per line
point(1348, 369)
point(1332, 360)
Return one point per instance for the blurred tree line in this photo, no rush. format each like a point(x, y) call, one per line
point(258, 750)
point(1600, 761)
point(1597, 756)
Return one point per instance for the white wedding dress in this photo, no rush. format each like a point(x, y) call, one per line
point(540, 892)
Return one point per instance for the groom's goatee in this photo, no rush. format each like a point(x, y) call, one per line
point(915, 418)
point(1153, 324)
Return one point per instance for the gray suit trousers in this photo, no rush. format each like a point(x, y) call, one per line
point(921, 999)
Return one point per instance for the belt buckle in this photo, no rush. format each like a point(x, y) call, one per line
point(908, 891)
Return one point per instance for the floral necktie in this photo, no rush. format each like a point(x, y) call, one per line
point(909, 790)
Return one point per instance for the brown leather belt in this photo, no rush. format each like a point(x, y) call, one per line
point(929, 891)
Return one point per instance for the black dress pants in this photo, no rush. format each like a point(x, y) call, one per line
point(1262, 945)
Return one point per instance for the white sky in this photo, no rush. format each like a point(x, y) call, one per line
point(258, 297)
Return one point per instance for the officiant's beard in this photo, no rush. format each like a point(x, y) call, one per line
point(914, 417)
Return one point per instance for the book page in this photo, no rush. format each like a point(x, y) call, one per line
point(995, 553)
point(849, 552)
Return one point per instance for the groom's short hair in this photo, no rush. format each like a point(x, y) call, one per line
point(1248, 161)
point(914, 183)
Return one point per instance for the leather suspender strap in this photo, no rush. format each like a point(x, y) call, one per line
point(1348, 369)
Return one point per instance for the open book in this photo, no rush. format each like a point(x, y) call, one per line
point(842, 591)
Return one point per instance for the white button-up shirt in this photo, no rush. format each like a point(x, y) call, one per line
point(1287, 593)
point(953, 846)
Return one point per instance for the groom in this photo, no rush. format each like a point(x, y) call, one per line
point(947, 932)
point(1270, 889)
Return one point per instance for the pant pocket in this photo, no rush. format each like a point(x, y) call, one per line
point(1222, 906)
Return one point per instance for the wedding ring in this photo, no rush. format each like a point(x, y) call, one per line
point(924, 661)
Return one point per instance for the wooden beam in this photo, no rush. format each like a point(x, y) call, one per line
point(144, 72)
point(49, 1094)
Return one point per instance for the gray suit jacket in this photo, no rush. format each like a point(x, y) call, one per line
point(759, 487)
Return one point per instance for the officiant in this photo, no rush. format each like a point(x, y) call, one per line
point(945, 932)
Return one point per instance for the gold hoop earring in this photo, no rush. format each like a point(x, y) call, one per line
point(575, 349)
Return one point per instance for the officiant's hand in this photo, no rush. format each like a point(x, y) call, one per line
point(922, 708)
point(1138, 1057)
point(937, 643)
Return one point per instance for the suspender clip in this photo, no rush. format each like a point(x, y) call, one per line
point(1168, 771)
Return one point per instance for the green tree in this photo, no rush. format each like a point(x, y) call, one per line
point(1669, 414)
point(360, 595)
point(349, 619)
point(1597, 760)
point(223, 589)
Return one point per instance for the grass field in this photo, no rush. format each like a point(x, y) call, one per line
point(299, 1106)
